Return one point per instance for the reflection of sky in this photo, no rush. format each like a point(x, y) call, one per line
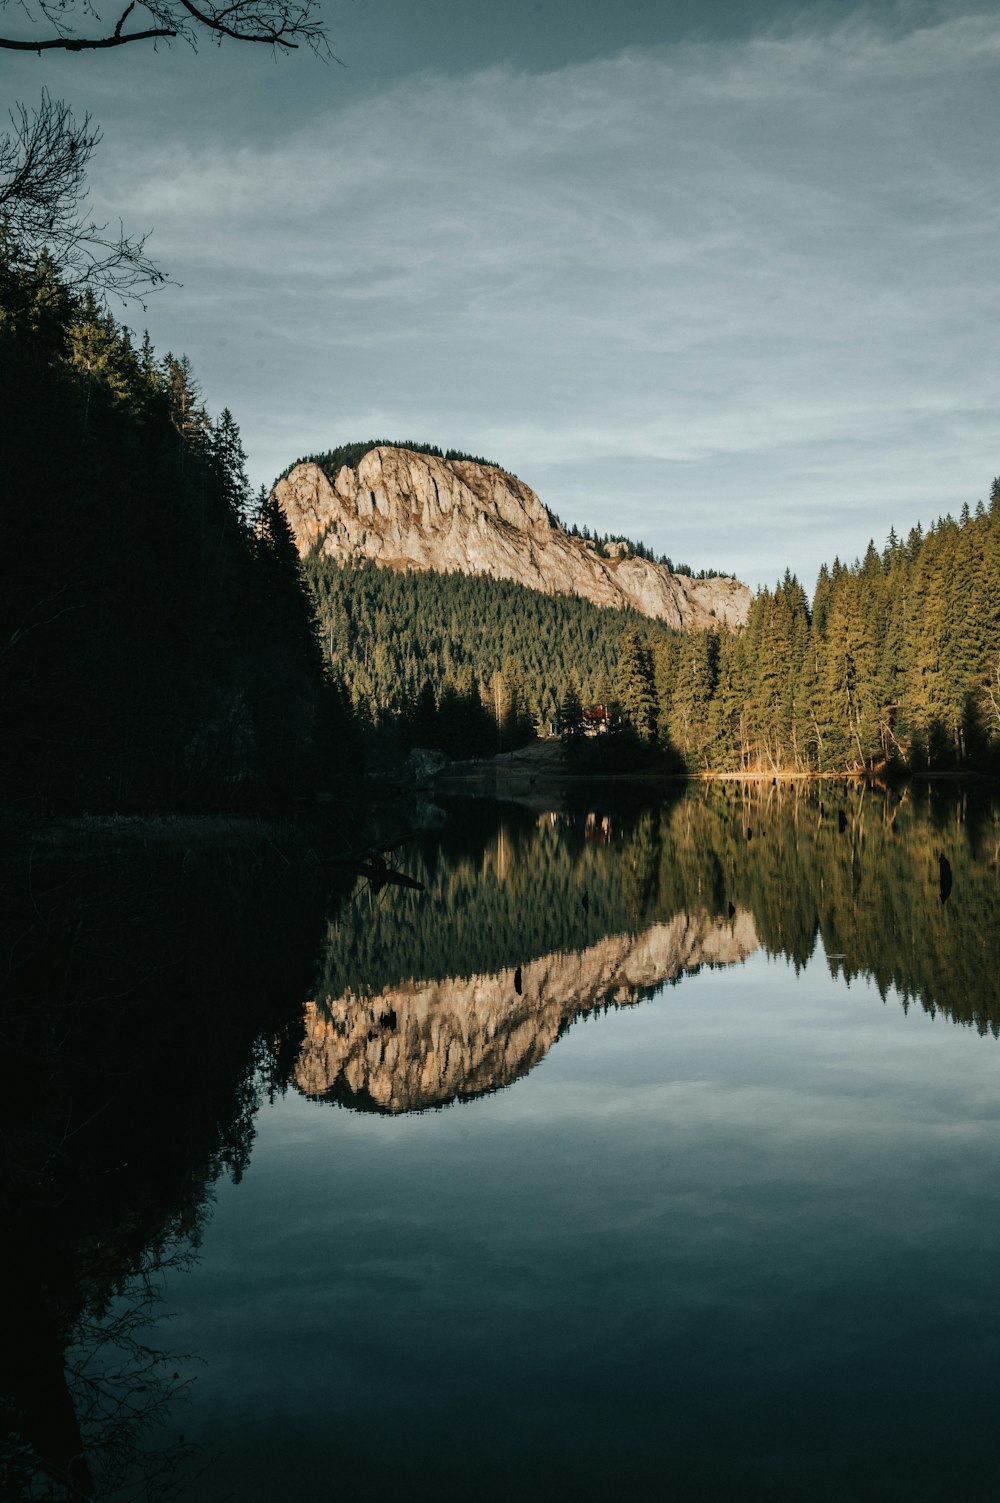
point(744, 1235)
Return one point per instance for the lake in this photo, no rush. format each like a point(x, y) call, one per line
point(646, 1149)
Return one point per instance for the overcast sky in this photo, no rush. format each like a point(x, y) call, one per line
point(720, 276)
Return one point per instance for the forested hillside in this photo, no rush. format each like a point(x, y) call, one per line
point(405, 641)
point(896, 661)
point(156, 649)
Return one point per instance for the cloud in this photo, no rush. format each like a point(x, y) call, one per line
point(737, 298)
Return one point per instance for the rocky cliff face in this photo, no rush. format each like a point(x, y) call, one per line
point(425, 1043)
point(409, 510)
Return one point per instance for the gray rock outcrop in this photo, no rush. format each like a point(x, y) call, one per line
point(406, 510)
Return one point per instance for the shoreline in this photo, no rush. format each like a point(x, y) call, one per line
point(541, 765)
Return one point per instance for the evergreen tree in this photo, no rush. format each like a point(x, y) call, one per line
point(156, 654)
point(690, 718)
point(424, 723)
point(185, 401)
point(635, 691)
point(230, 460)
point(571, 718)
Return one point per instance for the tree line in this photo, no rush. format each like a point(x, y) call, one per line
point(895, 663)
point(332, 460)
point(465, 662)
point(618, 545)
point(157, 646)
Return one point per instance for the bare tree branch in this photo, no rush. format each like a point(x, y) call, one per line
point(70, 44)
point(285, 24)
point(43, 206)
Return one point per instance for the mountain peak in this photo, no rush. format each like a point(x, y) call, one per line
point(409, 510)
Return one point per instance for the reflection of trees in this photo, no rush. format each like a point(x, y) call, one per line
point(871, 892)
point(501, 888)
point(150, 1008)
point(124, 1390)
point(505, 888)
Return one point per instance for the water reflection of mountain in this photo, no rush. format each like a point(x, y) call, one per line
point(424, 1044)
point(418, 1004)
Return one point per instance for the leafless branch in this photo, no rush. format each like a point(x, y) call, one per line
point(43, 206)
point(282, 24)
point(75, 44)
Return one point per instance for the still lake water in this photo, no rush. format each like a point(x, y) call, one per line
point(651, 1151)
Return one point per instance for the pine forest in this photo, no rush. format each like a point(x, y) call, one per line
point(159, 649)
point(894, 664)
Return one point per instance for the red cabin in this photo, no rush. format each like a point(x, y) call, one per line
point(597, 718)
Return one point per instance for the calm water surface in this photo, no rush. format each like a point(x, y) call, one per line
point(649, 1151)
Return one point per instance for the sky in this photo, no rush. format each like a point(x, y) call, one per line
point(721, 277)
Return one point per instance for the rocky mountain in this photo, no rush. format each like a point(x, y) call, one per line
point(407, 510)
point(422, 1044)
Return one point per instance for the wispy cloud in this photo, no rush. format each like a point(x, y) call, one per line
point(740, 299)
